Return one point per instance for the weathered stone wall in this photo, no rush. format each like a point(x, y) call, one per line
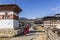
point(9, 33)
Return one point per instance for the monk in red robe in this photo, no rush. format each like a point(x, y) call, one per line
point(26, 29)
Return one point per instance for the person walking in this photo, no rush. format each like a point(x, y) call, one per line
point(26, 29)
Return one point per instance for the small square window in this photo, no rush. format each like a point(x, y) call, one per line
point(5, 17)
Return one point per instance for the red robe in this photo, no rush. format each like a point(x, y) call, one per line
point(26, 30)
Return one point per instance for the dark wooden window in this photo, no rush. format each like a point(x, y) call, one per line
point(5, 16)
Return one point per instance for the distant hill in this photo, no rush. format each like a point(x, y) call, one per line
point(24, 19)
point(37, 20)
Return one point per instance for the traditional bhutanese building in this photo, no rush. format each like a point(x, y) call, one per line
point(9, 19)
point(9, 16)
point(52, 21)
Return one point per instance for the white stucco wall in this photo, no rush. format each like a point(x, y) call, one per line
point(16, 24)
point(6, 24)
point(10, 24)
point(58, 26)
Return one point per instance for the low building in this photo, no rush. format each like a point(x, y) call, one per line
point(52, 21)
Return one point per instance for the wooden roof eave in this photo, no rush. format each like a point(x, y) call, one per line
point(11, 7)
point(51, 18)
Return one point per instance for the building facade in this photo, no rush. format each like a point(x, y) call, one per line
point(9, 16)
point(52, 21)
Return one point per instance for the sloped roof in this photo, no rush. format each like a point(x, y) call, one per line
point(54, 17)
point(10, 7)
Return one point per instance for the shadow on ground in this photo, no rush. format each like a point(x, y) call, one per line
point(35, 31)
point(31, 33)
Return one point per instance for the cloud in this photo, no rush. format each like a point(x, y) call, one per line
point(56, 9)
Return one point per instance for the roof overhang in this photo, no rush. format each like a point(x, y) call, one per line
point(10, 7)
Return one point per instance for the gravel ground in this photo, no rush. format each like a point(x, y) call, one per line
point(5, 38)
